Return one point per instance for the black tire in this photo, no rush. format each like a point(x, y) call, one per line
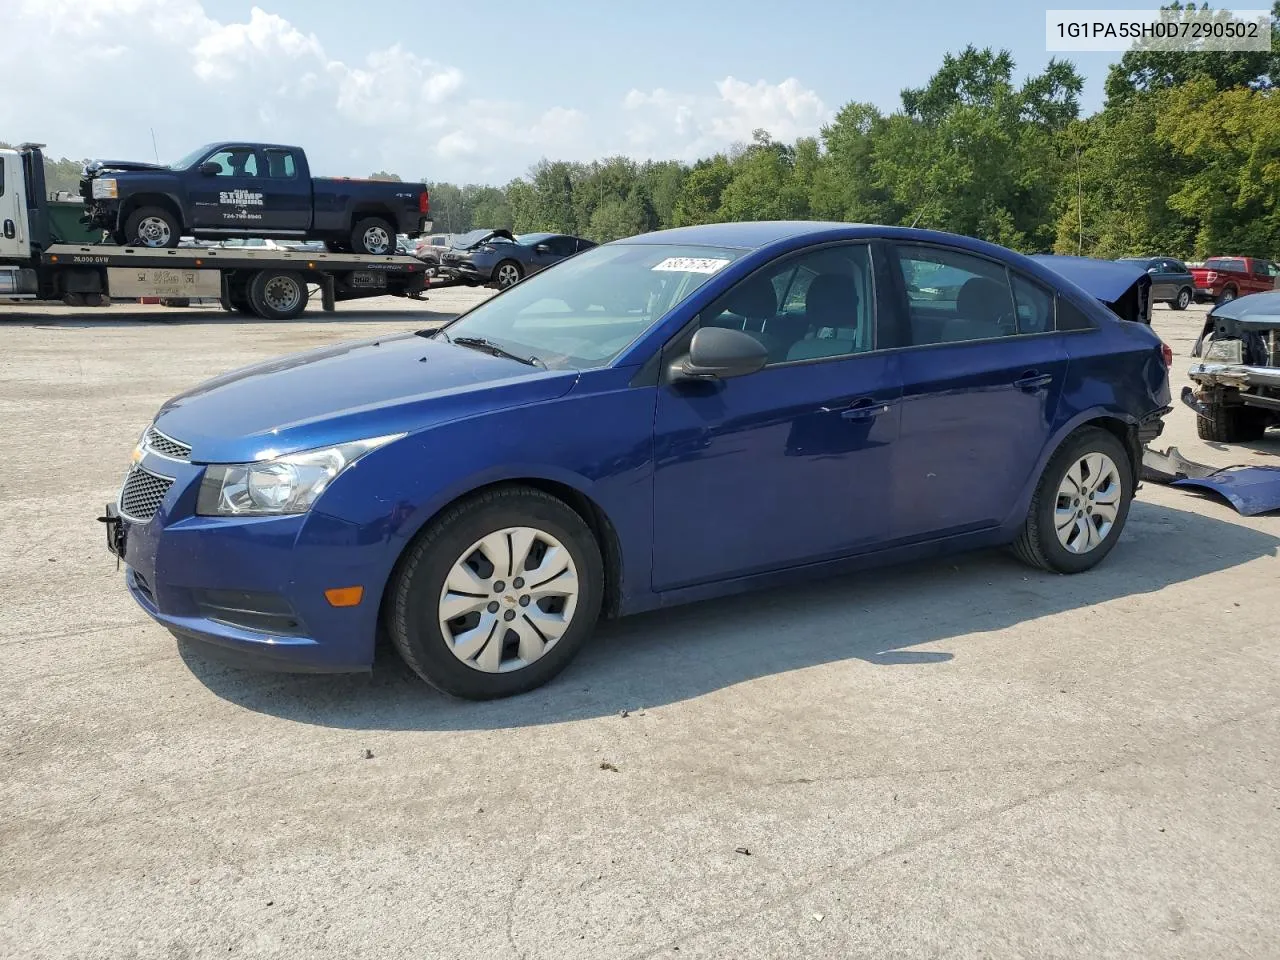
point(507, 274)
point(1228, 294)
point(1182, 300)
point(239, 300)
point(278, 294)
point(334, 246)
point(1229, 422)
point(411, 611)
point(161, 228)
point(1038, 544)
point(373, 232)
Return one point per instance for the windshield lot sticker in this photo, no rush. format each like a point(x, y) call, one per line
point(692, 264)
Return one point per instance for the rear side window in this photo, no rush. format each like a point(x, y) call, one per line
point(1175, 266)
point(954, 297)
point(1225, 264)
point(1035, 306)
point(280, 165)
point(1071, 317)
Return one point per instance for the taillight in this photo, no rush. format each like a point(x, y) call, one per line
point(1166, 352)
point(1211, 276)
point(424, 202)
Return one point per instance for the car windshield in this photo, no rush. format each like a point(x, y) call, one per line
point(586, 310)
point(191, 158)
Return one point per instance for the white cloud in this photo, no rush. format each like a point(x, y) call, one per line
point(133, 66)
point(692, 125)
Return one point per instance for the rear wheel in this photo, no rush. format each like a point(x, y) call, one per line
point(1228, 294)
point(1229, 422)
point(1080, 504)
point(1183, 299)
point(497, 595)
point(278, 294)
point(151, 227)
point(373, 235)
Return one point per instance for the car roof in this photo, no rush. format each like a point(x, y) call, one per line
point(748, 235)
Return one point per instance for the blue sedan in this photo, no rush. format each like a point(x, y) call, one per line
point(676, 416)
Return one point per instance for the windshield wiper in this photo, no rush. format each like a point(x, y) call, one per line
point(480, 343)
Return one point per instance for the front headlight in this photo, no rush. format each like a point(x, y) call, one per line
point(105, 189)
point(288, 484)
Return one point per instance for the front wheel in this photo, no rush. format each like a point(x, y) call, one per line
point(497, 595)
point(506, 274)
point(1183, 300)
point(373, 235)
point(1080, 504)
point(1229, 422)
point(152, 227)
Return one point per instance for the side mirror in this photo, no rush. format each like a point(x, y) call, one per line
point(717, 353)
point(542, 248)
point(1153, 269)
point(210, 169)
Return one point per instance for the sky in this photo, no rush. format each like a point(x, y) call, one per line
point(478, 92)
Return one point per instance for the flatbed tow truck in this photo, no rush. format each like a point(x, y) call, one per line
point(270, 284)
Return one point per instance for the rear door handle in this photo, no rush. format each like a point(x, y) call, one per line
point(864, 408)
point(1033, 380)
point(10, 231)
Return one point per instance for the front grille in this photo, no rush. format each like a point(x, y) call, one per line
point(142, 494)
point(166, 446)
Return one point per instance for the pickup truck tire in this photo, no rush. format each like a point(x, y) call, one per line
point(1228, 294)
point(1102, 477)
point(1182, 300)
point(152, 227)
point(373, 235)
point(278, 294)
point(1229, 423)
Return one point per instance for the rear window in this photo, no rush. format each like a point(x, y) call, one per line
point(1225, 264)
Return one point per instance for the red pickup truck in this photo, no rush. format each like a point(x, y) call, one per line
point(1224, 278)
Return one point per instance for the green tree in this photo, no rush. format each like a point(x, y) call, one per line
point(489, 208)
point(384, 175)
point(699, 200)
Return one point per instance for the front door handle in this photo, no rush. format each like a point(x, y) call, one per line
point(1033, 381)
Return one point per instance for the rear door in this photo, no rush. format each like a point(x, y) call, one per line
point(981, 382)
point(286, 194)
point(1163, 283)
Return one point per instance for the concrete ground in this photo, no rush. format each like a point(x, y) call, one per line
point(958, 759)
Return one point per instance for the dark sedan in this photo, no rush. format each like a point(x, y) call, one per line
point(1171, 281)
point(500, 258)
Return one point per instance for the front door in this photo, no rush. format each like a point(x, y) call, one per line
point(981, 384)
point(790, 464)
point(13, 208)
point(230, 200)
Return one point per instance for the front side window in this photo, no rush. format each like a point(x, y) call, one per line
point(809, 306)
point(953, 297)
point(235, 162)
point(590, 308)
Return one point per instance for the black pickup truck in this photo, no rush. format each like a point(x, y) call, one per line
point(237, 189)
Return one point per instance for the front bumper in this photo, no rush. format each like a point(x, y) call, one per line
point(1238, 375)
point(253, 587)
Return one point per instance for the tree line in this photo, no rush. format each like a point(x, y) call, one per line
point(1183, 159)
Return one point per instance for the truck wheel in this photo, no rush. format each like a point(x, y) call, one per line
point(506, 274)
point(151, 227)
point(239, 301)
point(373, 235)
point(1229, 423)
point(278, 294)
point(1228, 294)
point(1183, 299)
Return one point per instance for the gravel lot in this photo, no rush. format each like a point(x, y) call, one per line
point(958, 759)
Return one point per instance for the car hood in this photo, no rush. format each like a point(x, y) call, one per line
point(96, 166)
point(346, 392)
point(472, 240)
